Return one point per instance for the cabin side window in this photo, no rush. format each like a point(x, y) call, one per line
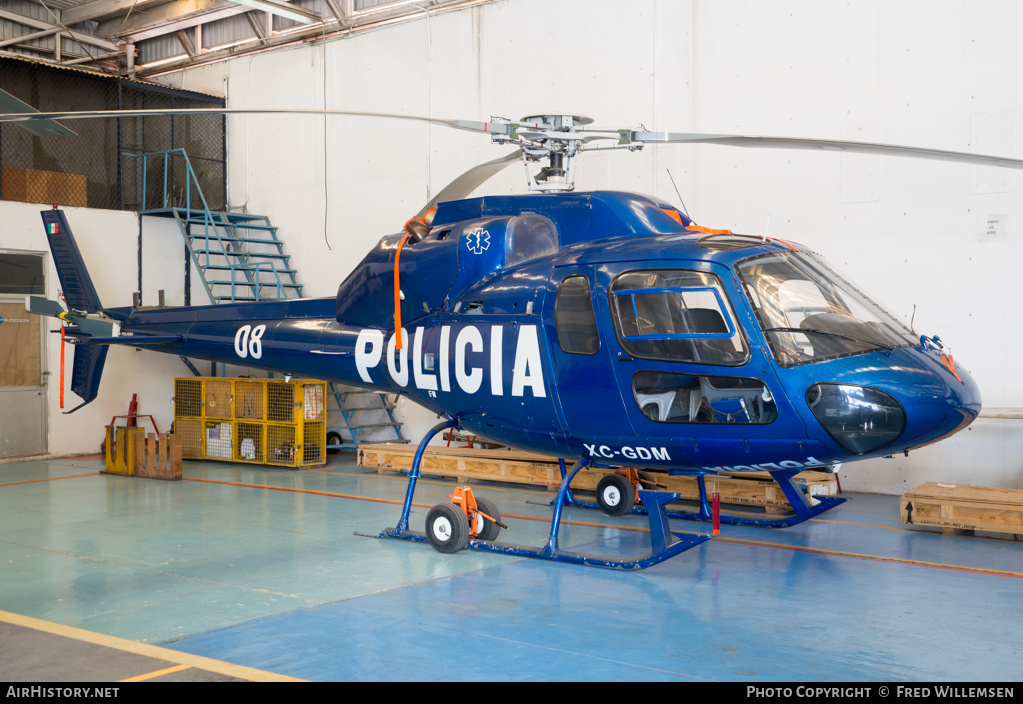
point(529, 236)
point(666, 397)
point(573, 317)
point(677, 316)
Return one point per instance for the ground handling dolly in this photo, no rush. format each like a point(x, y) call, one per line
point(445, 523)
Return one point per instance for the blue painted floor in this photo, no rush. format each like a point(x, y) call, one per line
point(262, 568)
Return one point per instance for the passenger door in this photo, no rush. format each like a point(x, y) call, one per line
point(581, 361)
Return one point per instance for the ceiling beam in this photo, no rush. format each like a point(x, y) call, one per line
point(30, 37)
point(186, 43)
point(102, 8)
point(291, 12)
point(259, 29)
point(175, 16)
point(40, 24)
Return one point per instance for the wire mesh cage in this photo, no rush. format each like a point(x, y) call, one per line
point(217, 398)
point(262, 421)
point(281, 445)
point(218, 437)
point(92, 169)
point(280, 402)
point(187, 398)
point(314, 440)
point(249, 399)
point(249, 442)
point(190, 433)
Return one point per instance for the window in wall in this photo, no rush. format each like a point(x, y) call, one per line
point(21, 273)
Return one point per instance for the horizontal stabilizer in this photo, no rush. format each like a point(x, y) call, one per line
point(43, 306)
point(87, 326)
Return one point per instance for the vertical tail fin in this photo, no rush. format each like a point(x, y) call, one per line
point(80, 296)
point(79, 293)
point(86, 373)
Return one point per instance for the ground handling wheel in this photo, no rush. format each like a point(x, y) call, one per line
point(447, 528)
point(450, 526)
point(615, 495)
point(488, 519)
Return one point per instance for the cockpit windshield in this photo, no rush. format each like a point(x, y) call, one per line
point(809, 313)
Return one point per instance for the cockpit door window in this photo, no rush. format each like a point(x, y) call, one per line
point(676, 315)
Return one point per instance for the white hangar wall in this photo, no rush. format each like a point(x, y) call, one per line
point(913, 233)
point(108, 241)
point(940, 74)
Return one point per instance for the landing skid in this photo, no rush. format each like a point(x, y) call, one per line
point(802, 509)
point(664, 542)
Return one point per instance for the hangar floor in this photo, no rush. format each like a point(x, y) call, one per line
point(242, 572)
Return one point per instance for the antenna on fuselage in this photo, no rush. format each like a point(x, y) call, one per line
point(678, 194)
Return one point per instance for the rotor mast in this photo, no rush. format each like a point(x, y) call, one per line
point(555, 137)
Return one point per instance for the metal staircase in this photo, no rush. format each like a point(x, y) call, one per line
point(363, 412)
point(240, 258)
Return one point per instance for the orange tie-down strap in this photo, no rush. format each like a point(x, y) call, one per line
point(700, 228)
point(677, 217)
point(427, 218)
point(397, 293)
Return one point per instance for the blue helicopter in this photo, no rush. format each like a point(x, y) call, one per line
point(605, 328)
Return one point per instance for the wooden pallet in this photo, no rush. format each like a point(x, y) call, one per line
point(504, 465)
point(959, 507)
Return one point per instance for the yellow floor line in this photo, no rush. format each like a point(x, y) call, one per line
point(156, 673)
point(150, 651)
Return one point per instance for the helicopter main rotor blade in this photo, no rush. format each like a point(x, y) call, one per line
point(40, 126)
point(826, 145)
point(469, 181)
point(468, 125)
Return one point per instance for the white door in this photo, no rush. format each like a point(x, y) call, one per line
point(22, 340)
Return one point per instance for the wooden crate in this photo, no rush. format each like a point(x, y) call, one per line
point(956, 507)
point(519, 467)
point(464, 463)
point(37, 186)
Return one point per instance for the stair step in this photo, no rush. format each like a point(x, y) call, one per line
point(363, 426)
point(228, 267)
point(243, 217)
point(230, 225)
point(223, 238)
point(224, 253)
point(245, 299)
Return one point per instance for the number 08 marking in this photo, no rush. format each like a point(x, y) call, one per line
point(248, 341)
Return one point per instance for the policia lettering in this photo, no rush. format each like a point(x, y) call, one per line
point(462, 357)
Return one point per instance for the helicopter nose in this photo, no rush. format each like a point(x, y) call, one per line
point(945, 406)
point(915, 399)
